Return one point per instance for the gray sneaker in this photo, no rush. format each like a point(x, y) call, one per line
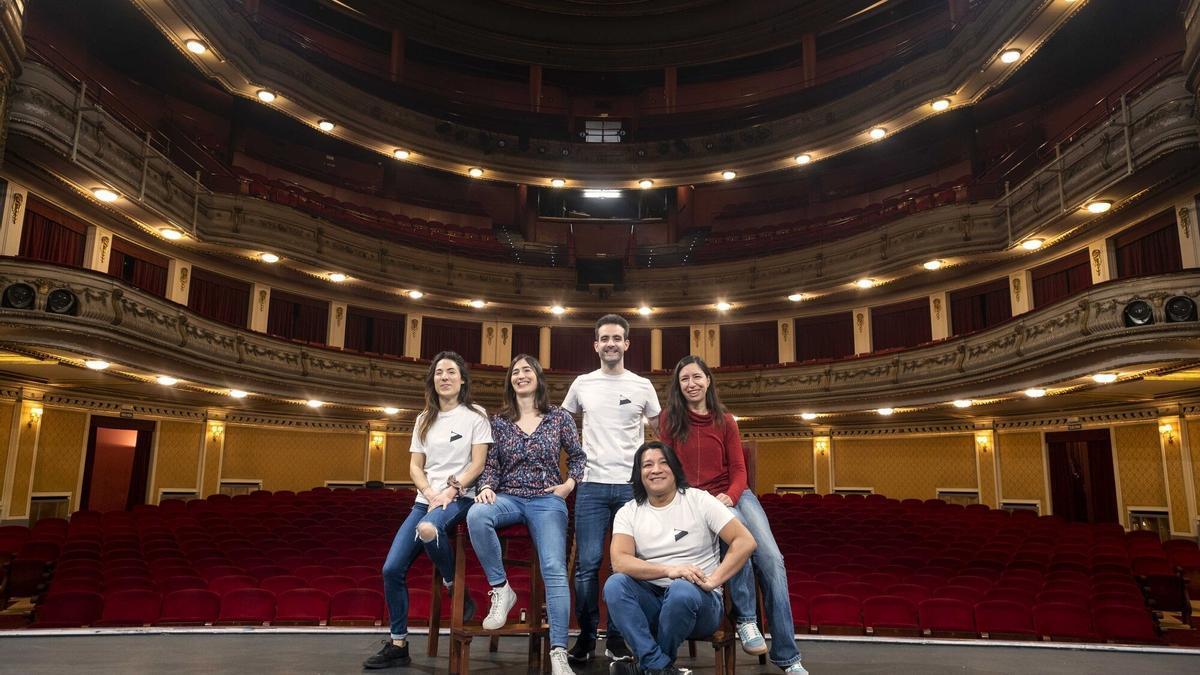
point(559, 665)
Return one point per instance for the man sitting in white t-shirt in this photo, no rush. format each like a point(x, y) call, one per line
point(666, 557)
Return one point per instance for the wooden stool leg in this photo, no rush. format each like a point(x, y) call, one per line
point(692, 648)
point(435, 617)
point(494, 644)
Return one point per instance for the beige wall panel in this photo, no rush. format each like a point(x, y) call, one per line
point(905, 467)
point(6, 413)
point(396, 466)
point(784, 462)
point(1173, 454)
point(292, 460)
point(1022, 469)
point(1139, 460)
point(178, 456)
point(26, 450)
point(60, 452)
point(1193, 449)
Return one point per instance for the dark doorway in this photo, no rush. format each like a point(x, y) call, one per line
point(118, 463)
point(1082, 487)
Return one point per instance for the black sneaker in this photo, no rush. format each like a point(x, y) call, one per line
point(390, 656)
point(669, 670)
point(582, 652)
point(623, 668)
point(616, 649)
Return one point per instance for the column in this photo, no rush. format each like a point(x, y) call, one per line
point(822, 463)
point(1189, 238)
point(986, 467)
point(504, 344)
point(862, 330)
point(696, 340)
point(376, 442)
point(335, 335)
point(787, 340)
point(179, 280)
point(712, 344)
point(1020, 291)
point(488, 337)
point(670, 87)
point(412, 336)
point(22, 456)
point(396, 57)
point(97, 249)
point(260, 303)
point(13, 222)
point(1102, 256)
point(544, 346)
point(656, 349)
point(1176, 478)
point(939, 315)
point(213, 456)
point(535, 87)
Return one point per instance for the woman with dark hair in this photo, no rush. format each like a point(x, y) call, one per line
point(706, 437)
point(449, 447)
point(521, 483)
point(666, 585)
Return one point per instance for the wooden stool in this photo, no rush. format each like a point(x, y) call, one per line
point(534, 625)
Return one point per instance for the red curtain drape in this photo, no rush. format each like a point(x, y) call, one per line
point(904, 324)
point(290, 316)
point(46, 239)
point(374, 332)
point(749, 344)
point(526, 340)
point(1151, 247)
point(571, 348)
point(138, 267)
point(676, 344)
point(219, 298)
point(979, 307)
point(464, 337)
point(830, 336)
point(1061, 279)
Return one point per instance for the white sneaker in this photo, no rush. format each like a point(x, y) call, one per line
point(559, 665)
point(796, 669)
point(503, 599)
point(751, 638)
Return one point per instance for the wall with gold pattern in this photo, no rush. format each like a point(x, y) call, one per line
point(1173, 456)
point(905, 467)
point(292, 460)
point(178, 455)
point(784, 462)
point(1139, 463)
point(60, 452)
point(1022, 467)
point(1193, 448)
point(395, 466)
point(6, 421)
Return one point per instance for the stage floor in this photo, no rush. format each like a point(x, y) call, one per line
point(265, 652)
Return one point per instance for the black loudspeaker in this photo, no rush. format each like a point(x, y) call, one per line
point(1138, 313)
point(1180, 308)
point(62, 301)
point(19, 296)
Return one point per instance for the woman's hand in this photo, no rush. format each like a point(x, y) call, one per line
point(485, 496)
point(443, 499)
point(724, 499)
point(562, 489)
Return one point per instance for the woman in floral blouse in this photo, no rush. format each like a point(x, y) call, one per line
point(521, 483)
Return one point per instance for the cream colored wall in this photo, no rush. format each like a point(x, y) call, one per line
point(396, 465)
point(1140, 465)
point(60, 452)
point(6, 429)
point(1022, 467)
point(177, 456)
point(905, 467)
point(784, 462)
point(292, 460)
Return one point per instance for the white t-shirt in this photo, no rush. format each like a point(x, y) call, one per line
point(447, 446)
point(614, 408)
point(684, 532)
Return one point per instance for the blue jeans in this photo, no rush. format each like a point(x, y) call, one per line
point(656, 620)
point(405, 548)
point(595, 506)
point(546, 517)
point(768, 562)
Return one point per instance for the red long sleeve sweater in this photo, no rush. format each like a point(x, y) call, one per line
point(712, 454)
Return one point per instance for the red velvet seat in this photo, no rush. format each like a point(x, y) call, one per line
point(1004, 619)
point(833, 612)
point(69, 609)
point(135, 607)
point(890, 613)
point(301, 606)
point(226, 584)
point(190, 606)
point(946, 617)
point(357, 606)
point(1123, 624)
point(247, 606)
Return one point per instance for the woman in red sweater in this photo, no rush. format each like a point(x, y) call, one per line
point(708, 443)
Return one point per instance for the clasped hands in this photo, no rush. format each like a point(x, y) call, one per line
point(693, 574)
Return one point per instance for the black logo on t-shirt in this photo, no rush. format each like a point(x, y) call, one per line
point(454, 436)
point(623, 399)
point(680, 534)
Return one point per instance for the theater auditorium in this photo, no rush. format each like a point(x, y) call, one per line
point(940, 259)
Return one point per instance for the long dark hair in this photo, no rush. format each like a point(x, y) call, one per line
point(541, 401)
point(639, 488)
point(678, 425)
point(432, 402)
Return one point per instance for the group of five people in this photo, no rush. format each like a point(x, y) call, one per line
point(682, 518)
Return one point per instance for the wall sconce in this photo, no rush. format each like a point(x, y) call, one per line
point(35, 415)
point(821, 445)
point(983, 441)
point(217, 430)
point(377, 442)
point(1168, 432)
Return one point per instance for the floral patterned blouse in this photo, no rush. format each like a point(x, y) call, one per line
point(524, 465)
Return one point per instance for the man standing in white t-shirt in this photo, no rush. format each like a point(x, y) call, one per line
point(616, 405)
point(666, 557)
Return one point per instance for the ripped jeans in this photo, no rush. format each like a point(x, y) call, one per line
point(405, 548)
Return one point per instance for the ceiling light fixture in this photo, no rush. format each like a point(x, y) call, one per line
point(940, 104)
point(558, 310)
point(962, 403)
point(474, 172)
point(865, 283)
point(557, 182)
point(1035, 392)
point(166, 380)
point(808, 416)
point(796, 297)
point(195, 46)
point(170, 233)
point(105, 195)
point(728, 175)
point(478, 304)
point(1010, 55)
point(326, 125)
point(268, 257)
point(401, 154)
point(1032, 244)
point(314, 403)
point(644, 310)
point(237, 393)
point(724, 306)
point(389, 410)
point(1099, 206)
point(645, 183)
point(933, 265)
point(803, 158)
point(878, 133)
point(415, 294)
point(265, 95)
point(337, 277)
point(1105, 378)
point(885, 411)
point(97, 364)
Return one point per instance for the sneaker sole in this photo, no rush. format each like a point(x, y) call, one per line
point(580, 659)
point(755, 651)
point(614, 657)
point(397, 663)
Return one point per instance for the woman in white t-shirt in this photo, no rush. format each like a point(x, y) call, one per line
point(449, 448)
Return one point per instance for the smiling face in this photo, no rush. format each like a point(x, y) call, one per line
point(693, 383)
point(611, 344)
point(524, 378)
point(447, 379)
point(656, 473)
